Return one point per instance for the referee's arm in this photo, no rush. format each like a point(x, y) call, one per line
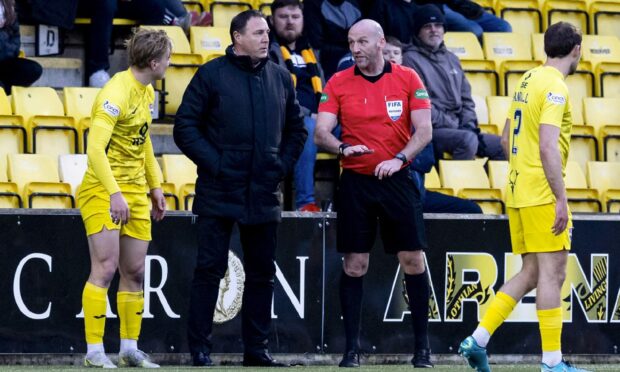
point(423, 133)
point(323, 137)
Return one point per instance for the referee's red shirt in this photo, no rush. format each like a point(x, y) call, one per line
point(376, 114)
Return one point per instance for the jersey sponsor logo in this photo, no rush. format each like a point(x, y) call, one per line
point(111, 109)
point(556, 99)
point(421, 94)
point(394, 109)
point(324, 97)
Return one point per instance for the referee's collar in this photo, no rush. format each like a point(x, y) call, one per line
point(387, 67)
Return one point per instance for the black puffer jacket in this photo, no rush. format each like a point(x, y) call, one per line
point(9, 41)
point(243, 127)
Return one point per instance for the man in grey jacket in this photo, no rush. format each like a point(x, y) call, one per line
point(455, 126)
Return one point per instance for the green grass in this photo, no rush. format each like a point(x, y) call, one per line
point(377, 368)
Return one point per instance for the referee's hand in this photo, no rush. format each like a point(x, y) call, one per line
point(387, 168)
point(357, 150)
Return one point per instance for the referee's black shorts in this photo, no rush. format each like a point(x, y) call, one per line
point(394, 202)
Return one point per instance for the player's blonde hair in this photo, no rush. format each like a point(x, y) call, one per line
point(146, 45)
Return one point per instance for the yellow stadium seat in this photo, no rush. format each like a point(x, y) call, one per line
point(13, 135)
point(71, 169)
point(79, 104)
point(464, 44)
point(432, 183)
point(209, 42)
point(498, 175)
point(574, 12)
point(498, 111)
point(603, 114)
point(36, 176)
point(512, 54)
point(180, 171)
point(605, 17)
point(183, 65)
point(482, 114)
point(608, 76)
point(224, 11)
point(50, 131)
point(193, 6)
point(600, 49)
point(523, 15)
point(482, 76)
point(603, 176)
point(583, 145)
point(9, 194)
point(470, 181)
point(580, 197)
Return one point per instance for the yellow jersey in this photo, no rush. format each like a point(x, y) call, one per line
point(541, 97)
point(119, 137)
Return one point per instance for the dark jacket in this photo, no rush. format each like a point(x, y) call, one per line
point(448, 88)
point(467, 8)
point(9, 41)
point(243, 128)
point(396, 17)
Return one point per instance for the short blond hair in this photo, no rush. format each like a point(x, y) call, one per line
point(146, 45)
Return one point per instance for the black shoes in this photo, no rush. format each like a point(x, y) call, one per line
point(350, 359)
point(261, 360)
point(422, 359)
point(201, 359)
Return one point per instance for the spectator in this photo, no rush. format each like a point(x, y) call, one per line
point(395, 16)
point(466, 15)
point(13, 70)
point(393, 50)
point(327, 24)
point(455, 126)
point(103, 12)
point(291, 50)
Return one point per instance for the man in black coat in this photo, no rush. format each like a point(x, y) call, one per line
point(241, 124)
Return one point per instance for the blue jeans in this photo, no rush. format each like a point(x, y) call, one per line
point(486, 22)
point(304, 169)
point(434, 202)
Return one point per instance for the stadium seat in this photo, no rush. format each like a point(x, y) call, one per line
point(605, 17)
point(580, 197)
point(523, 15)
point(603, 114)
point(603, 176)
point(464, 44)
point(180, 171)
point(183, 65)
point(572, 11)
point(79, 104)
point(36, 176)
point(264, 6)
point(13, 135)
point(224, 11)
point(608, 74)
point(482, 114)
point(512, 54)
point(194, 6)
point(432, 183)
point(498, 175)
point(498, 111)
point(50, 131)
point(209, 42)
point(9, 194)
point(470, 181)
point(583, 145)
point(600, 48)
point(482, 77)
point(71, 169)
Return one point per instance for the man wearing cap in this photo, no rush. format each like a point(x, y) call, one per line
point(455, 126)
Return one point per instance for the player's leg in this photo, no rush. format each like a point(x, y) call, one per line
point(104, 250)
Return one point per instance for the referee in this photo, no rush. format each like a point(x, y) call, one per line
point(378, 104)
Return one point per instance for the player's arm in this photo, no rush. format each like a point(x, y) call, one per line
point(505, 141)
point(552, 164)
point(152, 171)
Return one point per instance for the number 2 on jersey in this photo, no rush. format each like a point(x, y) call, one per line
point(515, 132)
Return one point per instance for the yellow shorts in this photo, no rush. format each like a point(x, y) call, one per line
point(95, 209)
point(530, 230)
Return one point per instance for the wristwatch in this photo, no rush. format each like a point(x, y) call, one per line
point(400, 156)
point(342, 147)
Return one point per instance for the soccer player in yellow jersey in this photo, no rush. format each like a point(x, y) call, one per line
point(536, 138)
point(113, 197)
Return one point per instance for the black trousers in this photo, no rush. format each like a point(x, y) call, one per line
point(259, 247)
point(18, 71)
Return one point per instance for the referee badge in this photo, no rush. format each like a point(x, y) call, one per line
point(394, 109)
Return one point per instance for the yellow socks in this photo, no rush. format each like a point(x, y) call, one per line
point(94, 302)
point(550, 323)
point(500, 309)
point(130, 308)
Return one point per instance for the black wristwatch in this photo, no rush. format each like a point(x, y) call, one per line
point(400, 156)
point(342, 147)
